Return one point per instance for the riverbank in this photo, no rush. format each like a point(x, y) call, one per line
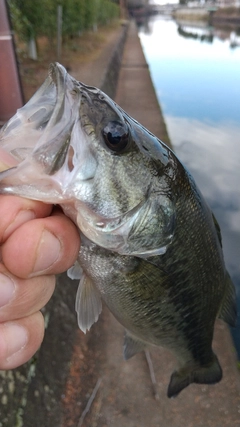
point(190, 14)
point(73, 369)
point(218, 16)
point(227, 17)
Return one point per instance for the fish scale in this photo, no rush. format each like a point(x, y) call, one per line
point(151, 247)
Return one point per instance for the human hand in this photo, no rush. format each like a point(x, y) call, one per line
point(36, 244)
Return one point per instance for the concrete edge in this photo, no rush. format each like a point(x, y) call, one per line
point(111, 74)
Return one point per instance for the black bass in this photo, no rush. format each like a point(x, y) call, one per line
point(151, 247)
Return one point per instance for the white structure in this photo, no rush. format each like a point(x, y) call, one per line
point(228, 3)
point(219, 3)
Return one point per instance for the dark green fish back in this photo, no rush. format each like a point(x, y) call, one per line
point(194, 262)
point(172, 299)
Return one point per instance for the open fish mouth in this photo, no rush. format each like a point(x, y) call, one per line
point(45, 121)
point(39, 137)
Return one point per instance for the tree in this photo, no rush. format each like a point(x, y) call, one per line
point(36, 18)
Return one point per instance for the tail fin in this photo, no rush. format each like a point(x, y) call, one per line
point(209, 374)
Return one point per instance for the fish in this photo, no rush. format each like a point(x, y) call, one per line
point(151, 248)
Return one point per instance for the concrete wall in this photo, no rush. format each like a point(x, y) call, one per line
point(196, 13)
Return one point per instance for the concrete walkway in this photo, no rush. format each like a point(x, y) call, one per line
point(135, 92)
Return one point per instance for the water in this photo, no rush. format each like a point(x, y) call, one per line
point(196, 74)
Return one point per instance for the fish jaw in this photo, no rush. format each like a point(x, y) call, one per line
point(126, 234)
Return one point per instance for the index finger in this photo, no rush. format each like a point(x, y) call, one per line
point(6, 160)
point(15, 211)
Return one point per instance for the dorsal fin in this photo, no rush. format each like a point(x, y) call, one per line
point(218, 229)
point(228, 309)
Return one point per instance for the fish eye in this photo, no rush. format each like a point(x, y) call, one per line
point(116, 136)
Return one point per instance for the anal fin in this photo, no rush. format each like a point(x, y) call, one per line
point(209, 374)
point(88, 303)
point(131, 346)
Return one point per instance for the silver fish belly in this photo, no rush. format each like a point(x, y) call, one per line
point(151, 247)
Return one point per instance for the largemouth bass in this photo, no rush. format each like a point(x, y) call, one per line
point(151, 247)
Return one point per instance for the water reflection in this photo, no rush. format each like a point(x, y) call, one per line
point(235, 38)
point(208, 37)
point(198, 86)
point(197, 30)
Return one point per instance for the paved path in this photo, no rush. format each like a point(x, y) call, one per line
point(135, 92)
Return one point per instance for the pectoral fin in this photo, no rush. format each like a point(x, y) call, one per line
point(180, 379)
point(131, 346)
point(75, 272)
point(88, 304)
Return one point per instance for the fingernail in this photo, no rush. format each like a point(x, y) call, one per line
point(7, 289)
point(48, 252)
point(22, 217)
point(16, 337)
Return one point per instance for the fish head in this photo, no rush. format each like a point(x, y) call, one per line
point(72, 145)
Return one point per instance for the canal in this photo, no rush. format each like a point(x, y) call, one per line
point(196, 74)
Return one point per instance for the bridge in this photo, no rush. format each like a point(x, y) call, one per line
point(145, 7)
